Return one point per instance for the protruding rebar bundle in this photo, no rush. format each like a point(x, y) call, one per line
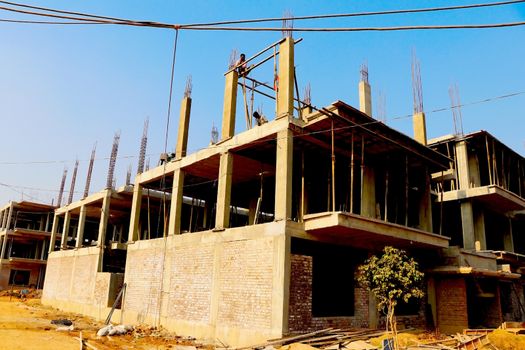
point(128, 176)
point(417, 88)
point(214, 135)
point(143, 146)
point(61, 191)
point(90, 171)
point(189, 87)
point(234, 56)
point(308, 94)
point(113, 160)
point(364, 72)
point(73, 180)
point(146, 167)
point(455, 103)
point(287, 24)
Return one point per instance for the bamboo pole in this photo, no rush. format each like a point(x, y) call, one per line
point(386, 195)
point(441, 206)
point(352, 175)
point(494, 168)
point(488, 159)
point(333, 168)
point(406, 190)
point(362, 168)
point(302, 186)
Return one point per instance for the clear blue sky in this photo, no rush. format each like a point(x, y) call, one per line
point(63, 88)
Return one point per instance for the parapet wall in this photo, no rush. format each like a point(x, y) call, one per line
point(226, 285)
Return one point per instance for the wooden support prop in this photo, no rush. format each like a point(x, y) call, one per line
point(494, 167)
point(119, 297)
point(333, 168)
point(80, 340)
point(386, 195)
point(297, 92)
point(362, 167)
point(441, 205)
point(406, 190)
point(302, 186)
point(149, 218)
point(352, 174)
point(246, 111)
point(488, 159)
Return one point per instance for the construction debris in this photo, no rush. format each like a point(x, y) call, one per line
point(62, 322)
point(114, 330)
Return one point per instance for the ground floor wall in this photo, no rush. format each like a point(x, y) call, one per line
point(23, 274)
point(74, 284)
point(229, 285)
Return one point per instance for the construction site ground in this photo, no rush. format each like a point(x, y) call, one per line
point(26, 324)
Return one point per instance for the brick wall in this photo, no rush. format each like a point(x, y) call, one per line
point(191, 279)
point(451, 294)
point(246, 282)
point(300, 304)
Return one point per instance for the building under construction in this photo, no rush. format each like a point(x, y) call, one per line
point(259, 234)
point(25, 231)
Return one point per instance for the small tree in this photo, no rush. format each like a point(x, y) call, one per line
point(391, 277)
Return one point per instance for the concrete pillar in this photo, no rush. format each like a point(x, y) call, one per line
point(431, 298)
point(420, 127)
point(80, 228)
point(174, 225)
point(53, 237)
point(1, 219)
point(281, 283)
point(373, 314)
point(365, 98)
point(286, 78)
point(283, 175)
point(479, 227)
point(467, 223)
point(222, 218)
point(9, 216)
point(230, 105)
point(462, 165)
point(251, 211)
point(184, 123)
point(65, 230)
point(508, 240)
point(368, 195)
point(425, 206)
point(104, 217)
point(133, 234)
point(4, 245)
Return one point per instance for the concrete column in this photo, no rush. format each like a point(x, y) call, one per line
point(54, 229)
point(286, 78)
point(184, 123)
point(4, 245)
point(104, 217)
point(365, 98)
point(467, 223)
point(9, 216)
point(508, 240)
point(1, 219)
point(420, 127)
point(479, 227)
point(283, 175)
point(80, 228)
point(281, 283)
point(462, 164)
point(368, 195)
point(174, 225)
point(425, 206)
point(65, 230)
point(133, 234)
point(222, 218)
point(432, 298)
point(230, 105)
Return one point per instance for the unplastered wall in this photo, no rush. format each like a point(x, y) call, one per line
point(226, 285)
point(71, 275)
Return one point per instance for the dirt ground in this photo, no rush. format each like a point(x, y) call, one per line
point(26, 324)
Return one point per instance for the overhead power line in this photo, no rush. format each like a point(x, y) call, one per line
point(80, 18)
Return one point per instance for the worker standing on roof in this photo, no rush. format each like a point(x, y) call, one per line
point(242, 69)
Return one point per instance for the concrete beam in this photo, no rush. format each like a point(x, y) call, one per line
point(184, 123)
point(283, 175)
point(286, 78)
point(222, 219)
point(230, 105)
point(174, 225)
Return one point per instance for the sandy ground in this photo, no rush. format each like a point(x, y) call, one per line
point(27, 325)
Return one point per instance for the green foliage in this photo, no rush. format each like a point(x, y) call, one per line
point(391, 277)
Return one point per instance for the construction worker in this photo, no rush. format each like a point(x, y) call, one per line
point(242, 69)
